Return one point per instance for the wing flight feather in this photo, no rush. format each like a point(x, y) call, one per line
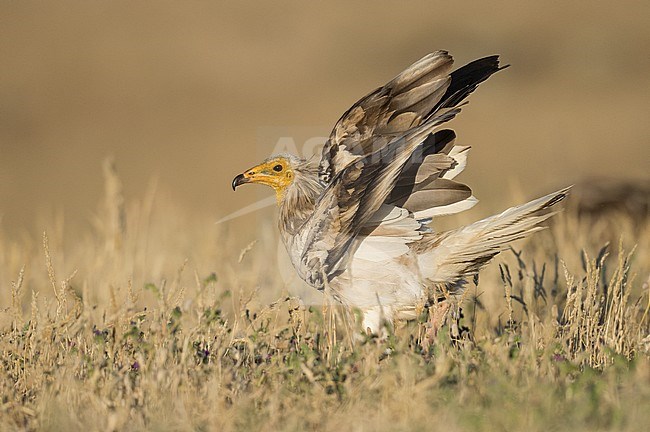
point(383, 152)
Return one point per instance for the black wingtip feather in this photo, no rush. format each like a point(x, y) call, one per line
point(467, 78)
point(435, 142)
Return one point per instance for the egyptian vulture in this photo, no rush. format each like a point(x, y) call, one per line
point(357, 223)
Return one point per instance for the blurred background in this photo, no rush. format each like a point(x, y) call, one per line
point(189, 94)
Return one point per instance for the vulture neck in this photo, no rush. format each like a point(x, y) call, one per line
point(299, 199)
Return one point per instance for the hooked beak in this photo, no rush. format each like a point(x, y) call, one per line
point(239, 180)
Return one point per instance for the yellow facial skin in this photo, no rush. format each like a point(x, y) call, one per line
point(276, 173)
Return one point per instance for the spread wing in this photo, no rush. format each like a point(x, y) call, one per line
point(424, 92)
point(383, 151)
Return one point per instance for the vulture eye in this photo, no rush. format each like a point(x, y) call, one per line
point(277, 168)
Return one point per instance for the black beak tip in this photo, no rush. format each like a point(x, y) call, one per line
point(239, 180)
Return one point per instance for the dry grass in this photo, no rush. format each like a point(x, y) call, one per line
point(154, 322)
